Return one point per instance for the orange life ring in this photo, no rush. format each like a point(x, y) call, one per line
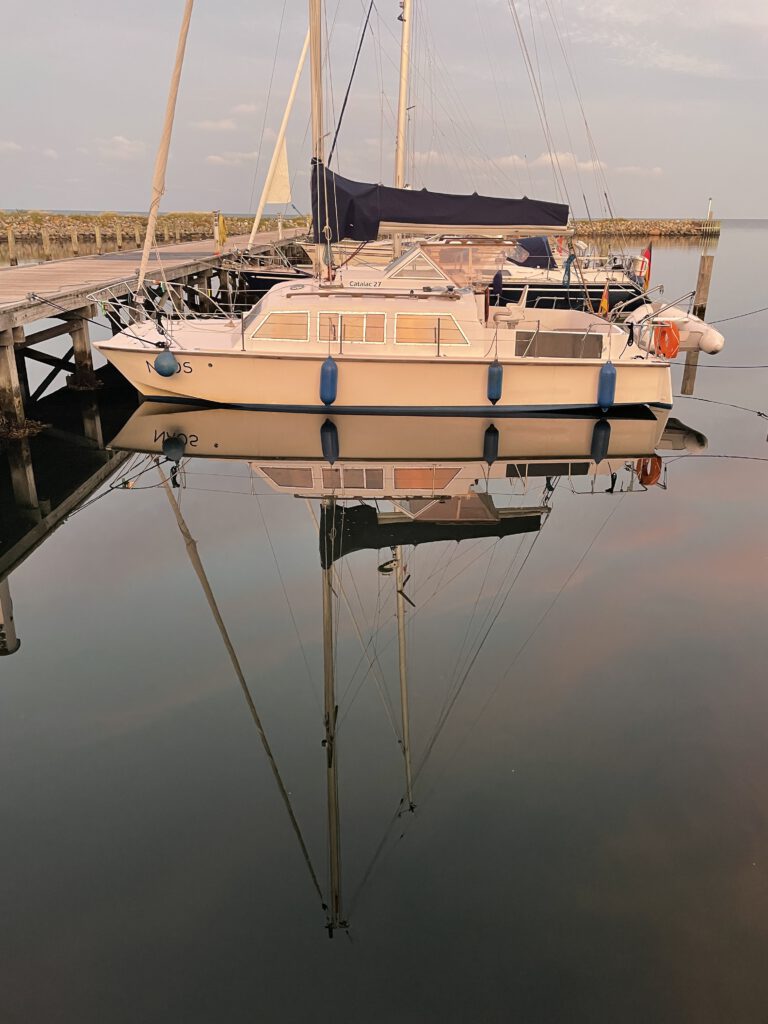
point(666, 340)
point(649, 470)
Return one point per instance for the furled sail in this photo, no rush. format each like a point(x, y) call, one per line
point(342, 208)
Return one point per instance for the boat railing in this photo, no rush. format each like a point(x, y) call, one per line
point(169, 302)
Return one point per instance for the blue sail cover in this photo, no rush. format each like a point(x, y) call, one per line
point(356, 210)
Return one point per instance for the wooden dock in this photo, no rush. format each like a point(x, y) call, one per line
point(60, 291)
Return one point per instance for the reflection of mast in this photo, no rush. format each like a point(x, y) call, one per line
point(335, 919)
point(197, 565)
point(399, 584)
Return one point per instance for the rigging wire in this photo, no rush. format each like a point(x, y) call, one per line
point(349, 84)
point(266, 106)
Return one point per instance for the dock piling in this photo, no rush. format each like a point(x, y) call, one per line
point(12, 257)
point(45, 236)
point(75, 242)
point(83, 378)
point(12, 416)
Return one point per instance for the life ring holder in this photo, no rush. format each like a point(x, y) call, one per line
point(649, 470)
point(666, 339)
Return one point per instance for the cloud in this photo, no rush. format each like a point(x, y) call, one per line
point(9, 147)
point(230, 159)
point(51, 154)
point(639, 172)
point(225, 124)
point(568, 162)
point(245, 108)
point(118, 147)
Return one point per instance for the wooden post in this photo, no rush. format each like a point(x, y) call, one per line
point(46, 237)
point(689, 373)
point(165, 232)
point(98, 239)
point(12, 257)
point(19, 457)
point(216, 240)
point(118, 236)
point(21, 363)
point(75, 242)
point(177, 231)
point(700, 299)
point(9, 641)
point(83, 376)
point(702, 284)
point(11, 399)
point(137, 236)
point(89, 410)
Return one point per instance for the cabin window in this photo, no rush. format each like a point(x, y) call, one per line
point(350, 327)
point(423, 329)
point(419, 268)
point(283, 327)
point(429, 478)
point(328, 326)
point(288, 476)
point(354, 478)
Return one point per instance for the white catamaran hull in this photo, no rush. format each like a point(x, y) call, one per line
point(389, 385)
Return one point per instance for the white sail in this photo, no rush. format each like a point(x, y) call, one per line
point(279, 191)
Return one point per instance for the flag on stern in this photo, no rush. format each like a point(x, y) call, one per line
point(605, 303)
point(646, 256)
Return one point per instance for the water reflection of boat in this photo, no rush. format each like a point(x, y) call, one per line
point(225, 433)
point(417, 482)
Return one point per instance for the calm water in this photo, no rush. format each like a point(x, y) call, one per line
point(589, 712)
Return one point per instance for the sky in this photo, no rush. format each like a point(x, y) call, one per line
point(660, 105)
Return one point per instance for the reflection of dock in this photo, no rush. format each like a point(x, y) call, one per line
point(43, 479)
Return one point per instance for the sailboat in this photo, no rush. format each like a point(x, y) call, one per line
point(394, 343)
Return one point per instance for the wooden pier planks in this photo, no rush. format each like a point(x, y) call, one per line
point(70, 281)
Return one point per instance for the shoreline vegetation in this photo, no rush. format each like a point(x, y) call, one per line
point(35, 225)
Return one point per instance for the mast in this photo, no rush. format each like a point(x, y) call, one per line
point(334, 919)
point(161, 160)
point(279, 143)
point(402, 102)
point(402, 105)
point(316, 70)
point(399, 584)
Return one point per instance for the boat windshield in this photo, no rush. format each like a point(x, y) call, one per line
point(467, 264)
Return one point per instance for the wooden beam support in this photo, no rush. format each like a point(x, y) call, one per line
point(44, 384)
point(24, 341)
point(46, 240)
point(75, 242)
point(49, 360)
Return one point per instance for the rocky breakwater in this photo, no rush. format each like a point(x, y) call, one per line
point(636, 228)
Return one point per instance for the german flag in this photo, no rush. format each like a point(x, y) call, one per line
point(646, 256)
